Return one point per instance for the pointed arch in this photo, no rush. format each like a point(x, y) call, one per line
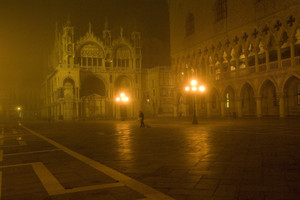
point(297, 43)
point(90, 54)
point(214, 99)
point(291, 92)
point(92, 85)
point(241, 57)
point(247, 98)
point(203, 71)
point(272, 48)
point(251, 54)
point(229, 100)
point(269, 98)
point(233, 57)
point(124, 84)
point(261, 53)
point(68, 89)
point(122, 56)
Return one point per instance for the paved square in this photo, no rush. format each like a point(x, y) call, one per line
point(216, 159)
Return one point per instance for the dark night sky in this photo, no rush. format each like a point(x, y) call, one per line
point(28, 26)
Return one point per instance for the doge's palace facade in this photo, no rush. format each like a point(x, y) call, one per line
point(247, 53)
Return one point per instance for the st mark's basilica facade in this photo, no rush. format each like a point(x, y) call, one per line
point(87, 75)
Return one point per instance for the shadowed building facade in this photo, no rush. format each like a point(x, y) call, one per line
point(247, 53)
point(85, 76)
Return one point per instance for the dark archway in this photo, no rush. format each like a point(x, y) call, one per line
point(269, 99)
point(92, 85)
point(214, 100)
point(93, 96)
point(229, 101)
point(248, 100)
point(292, 96)
point(123, 84)
point(68, 89)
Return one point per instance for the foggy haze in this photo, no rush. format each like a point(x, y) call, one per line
point(28, 28)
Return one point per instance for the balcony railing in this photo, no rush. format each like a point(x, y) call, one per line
point(273, 65)
point(286, 63)
point(297, 61)
point(261, 68)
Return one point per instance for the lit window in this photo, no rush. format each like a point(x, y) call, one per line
point(227, 100)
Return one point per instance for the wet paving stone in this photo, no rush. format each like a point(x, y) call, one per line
point(216, 159)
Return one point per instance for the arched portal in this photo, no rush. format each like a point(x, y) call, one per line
point(214, 101)
point(269, 101)
point(93, 98)
point(69, 89)
point(229, 101)
point(248, 100)
point(292, 96)
point(92, 85)
point(123, 84)
point(69, 107)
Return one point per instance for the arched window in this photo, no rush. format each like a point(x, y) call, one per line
point(285, 48)
point(189, 24)
point(297, 44)
point(227, 100)
point(68, 90)
point(272, 50)
point(261, 54)
point(232, 60)
point(90, 55)
point(122, 57)
point(251, 55)
point(242, 58)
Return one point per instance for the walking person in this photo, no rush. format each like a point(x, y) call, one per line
point(141, 115)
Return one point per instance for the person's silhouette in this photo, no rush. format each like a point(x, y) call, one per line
point(142, 119)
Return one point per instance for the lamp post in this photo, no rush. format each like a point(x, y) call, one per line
point(122, 99)
point(194, 88)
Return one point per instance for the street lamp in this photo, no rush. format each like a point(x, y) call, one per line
point(194, 88)
point(122, 99)
point(19, 111)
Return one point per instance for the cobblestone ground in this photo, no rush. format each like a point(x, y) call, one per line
point(241, 159)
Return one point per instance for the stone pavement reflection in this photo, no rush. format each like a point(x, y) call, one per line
point(216, 159)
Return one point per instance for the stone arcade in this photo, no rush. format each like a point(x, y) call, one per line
point(246, 52)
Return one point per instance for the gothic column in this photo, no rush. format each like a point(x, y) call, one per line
point(258, 107)
point(292, 54)
point(77, 110)
point(208, 109)
point(222, 108)
point(267, 60)
point(256, 62)
point(281, 105)
point(239, 108)
point(279, 57)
